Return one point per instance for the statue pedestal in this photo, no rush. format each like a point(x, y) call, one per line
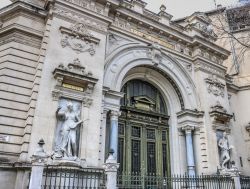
point(69, 162)
point(38, 159)
point(234, 173)
point(111, 167)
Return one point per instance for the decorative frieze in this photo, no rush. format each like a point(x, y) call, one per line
point(93, 6)
point(214, 86)
point(80, 18)
point(79, 39)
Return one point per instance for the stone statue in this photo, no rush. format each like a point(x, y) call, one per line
point(225, 151)
point(66, 144)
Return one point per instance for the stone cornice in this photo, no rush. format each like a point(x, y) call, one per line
point(204, 65)
point(179, 34)
point(21, 28)
point(208, 44)
point(172, 51)
point(192, 113)
point(112, 99)
point(80, 17)
point(190, 118)
point(22, 6)
point(142, 18)
point(234, 88)
point(90, 12)
point(20, 37)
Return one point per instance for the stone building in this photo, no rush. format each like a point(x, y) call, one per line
point(90, 76)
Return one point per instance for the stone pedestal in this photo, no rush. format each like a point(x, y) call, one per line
point(38, 161)
point(234, 173)
point(111, 171)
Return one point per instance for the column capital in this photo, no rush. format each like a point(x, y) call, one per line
point(114, 114)
point(188, 129)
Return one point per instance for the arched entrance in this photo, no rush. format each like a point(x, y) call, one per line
point(176, 88)
point(143, 144)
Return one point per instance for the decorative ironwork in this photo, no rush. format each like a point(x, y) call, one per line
point(164, 136)
point(153, 181)
point(121, 129)
point(164, 159)
point(136, 156)
point(78, 178)
point(150, 134)
point(120, 153)
point(245, 182)
point(151, 159)
point(136, 132)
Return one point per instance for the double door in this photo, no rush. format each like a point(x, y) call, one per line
point(143, 146)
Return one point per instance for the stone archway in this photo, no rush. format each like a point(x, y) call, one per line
point(168, 75)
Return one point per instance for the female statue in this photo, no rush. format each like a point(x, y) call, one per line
point(67, 145)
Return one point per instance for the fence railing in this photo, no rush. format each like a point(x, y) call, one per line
point(245, 182)
point(151, 181)
point(73, 178)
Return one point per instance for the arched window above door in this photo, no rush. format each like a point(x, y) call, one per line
point(142, 95)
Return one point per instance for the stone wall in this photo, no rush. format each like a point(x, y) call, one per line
point(21, 36)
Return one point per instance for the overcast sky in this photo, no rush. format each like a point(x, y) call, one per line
point(182, 8)
point(178, 8)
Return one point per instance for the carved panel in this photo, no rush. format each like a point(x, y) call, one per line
point(115, 41)
point(215, 86)
point(79, 39)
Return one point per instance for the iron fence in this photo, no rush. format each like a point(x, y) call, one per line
point(245, 182)
point(152, 181)
point(73, 178)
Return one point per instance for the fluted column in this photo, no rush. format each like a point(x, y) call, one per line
point(114, 132)
point(189, 149)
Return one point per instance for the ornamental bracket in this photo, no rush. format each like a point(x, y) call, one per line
point(220, 117)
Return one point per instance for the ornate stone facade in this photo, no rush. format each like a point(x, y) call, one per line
point(85, 52)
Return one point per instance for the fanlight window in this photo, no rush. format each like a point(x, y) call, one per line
point(142, 95)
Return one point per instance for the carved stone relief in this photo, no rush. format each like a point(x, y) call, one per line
point(81, 19)
point(93, 6)
point(79, 39)
point(214, 86)
point(73, 81)
point(155, 54)
point(115, 41)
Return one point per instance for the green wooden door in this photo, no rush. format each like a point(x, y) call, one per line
point(143, 131)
